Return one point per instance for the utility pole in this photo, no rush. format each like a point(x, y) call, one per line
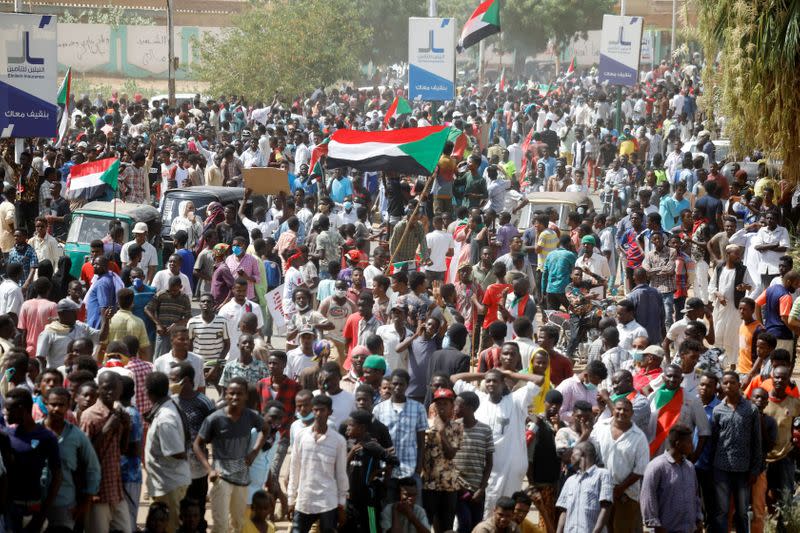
point(618, 114)
point(432, 11)
point(170, 54)
point(19, 143)
point(674, 20)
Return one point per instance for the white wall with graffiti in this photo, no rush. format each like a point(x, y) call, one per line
point(130, 51)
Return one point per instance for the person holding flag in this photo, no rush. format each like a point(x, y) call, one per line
point(669, 406)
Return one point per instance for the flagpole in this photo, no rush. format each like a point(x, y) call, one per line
point(428, 185)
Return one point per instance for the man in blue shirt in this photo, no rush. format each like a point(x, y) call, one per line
point(340, 187)
point(556, 274)
point(648, 307)
point(142, 294)
point(102, 295)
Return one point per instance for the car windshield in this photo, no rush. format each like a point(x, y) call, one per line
point(526, 220)
point(173, 202)
point(86, 228)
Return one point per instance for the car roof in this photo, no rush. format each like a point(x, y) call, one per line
point(138, 212)
point(576, 198)
point(223, 194)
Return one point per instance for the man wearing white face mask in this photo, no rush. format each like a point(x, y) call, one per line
point(348, 213)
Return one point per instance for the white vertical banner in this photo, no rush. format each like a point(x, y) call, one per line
point(431, 58)
point(275, 306)
point(620, 47)
point(28, 81)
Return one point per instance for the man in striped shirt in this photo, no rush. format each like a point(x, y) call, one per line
point(208, 333)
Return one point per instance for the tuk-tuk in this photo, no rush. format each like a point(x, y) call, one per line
point(200, 196)
point(91, 222)
point(563, 202)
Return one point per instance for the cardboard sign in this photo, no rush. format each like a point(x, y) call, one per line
point(266, 180)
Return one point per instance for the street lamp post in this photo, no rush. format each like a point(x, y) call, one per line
point(170, 54)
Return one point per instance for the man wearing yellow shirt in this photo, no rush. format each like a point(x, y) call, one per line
point(125, 323)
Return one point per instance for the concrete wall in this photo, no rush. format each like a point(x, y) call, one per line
point(126, 51)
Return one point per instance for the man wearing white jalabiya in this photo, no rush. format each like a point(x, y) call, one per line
point(729, 283)
point(505, 414)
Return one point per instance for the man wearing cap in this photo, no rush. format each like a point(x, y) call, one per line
point(303, 356)
point(149, 261)
point(56, 336)
point(374, 370)
point(355, 375)
point(439, 476)
point(649, 368)
point(594, 266)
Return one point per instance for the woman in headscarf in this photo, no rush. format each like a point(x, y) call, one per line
point(540, 365)
point(189, 222)
point(215, 214)
point(62, 278)
point(222, 279)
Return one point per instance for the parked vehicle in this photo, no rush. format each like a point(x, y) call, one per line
point(563, 202)
point(200, 196)
point(91, 221)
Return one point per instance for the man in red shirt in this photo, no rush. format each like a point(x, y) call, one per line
point(87, 270)
point(493, 298)
point(560, 366)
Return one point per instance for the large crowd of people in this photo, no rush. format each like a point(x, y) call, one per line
point(454, 356)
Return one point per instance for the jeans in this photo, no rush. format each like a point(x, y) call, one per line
point(705, 479)
point(729, 485)
point(669, 307)
point(162, 346)
point(578, 327)
point(680, 302)
point(301, 523)
point(469, 512)
point(440, 507)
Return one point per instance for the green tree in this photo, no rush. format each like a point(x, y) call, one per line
point(388, 20)
point(530, 24)
point(282, 46)
point(754, 86)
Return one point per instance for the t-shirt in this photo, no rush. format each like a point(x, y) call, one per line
point(470, 458)
point(547, 241)
point(784, 412)
point(405, 525)
point(34, 316)
point(166, 438)
point(231, 443)
point(747, 346)
point(208, 338)
point(491, 299)
point(149, 255)
point(32, 452)
point(439, 242)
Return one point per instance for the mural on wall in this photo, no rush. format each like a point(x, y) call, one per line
point(130, 51)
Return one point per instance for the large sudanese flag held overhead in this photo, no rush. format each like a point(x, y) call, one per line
point(483, 22)
point(407, 150)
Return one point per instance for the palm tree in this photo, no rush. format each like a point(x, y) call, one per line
point(755, 83)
